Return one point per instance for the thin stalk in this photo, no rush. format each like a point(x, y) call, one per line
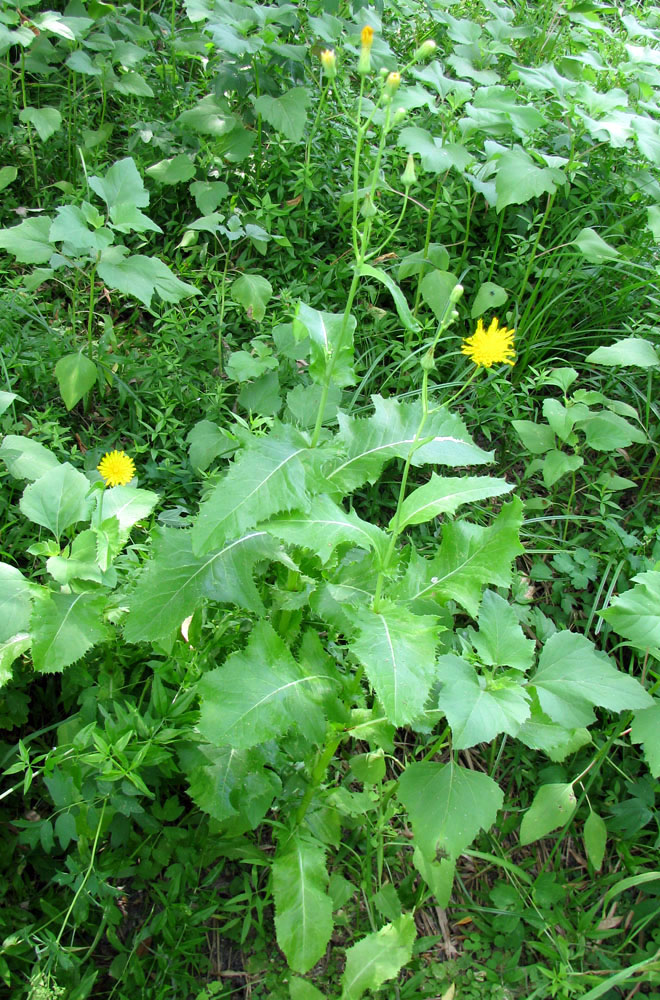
point(530, 263)
point(29, 130)
point(471, 204)
point(90, 315)
point(86, 875)
point(318, 773)
point(496, 246)
point(221, 320)
point(427, 241)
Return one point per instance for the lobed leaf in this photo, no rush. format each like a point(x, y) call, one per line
point(303, 908)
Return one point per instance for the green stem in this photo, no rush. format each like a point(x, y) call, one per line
point(318, 773)
point(29, 131)
point(530, 264)
point(221, 320)
point(90, 316)
point(427, 241)
point(86, 875)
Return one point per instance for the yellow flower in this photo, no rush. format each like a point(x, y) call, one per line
point(329, 63)
point(490, 347)
point(367, 36)
point(116, 468)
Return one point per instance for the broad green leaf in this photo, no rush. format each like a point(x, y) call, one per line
point(490, 296)
point(76, 375)
point(636, 614)
point(469, 557)
point(258, 693)
point(237, 145)
point(444, 495)
point(228, 783)
point(57, 500)
point(142, 276)
point(537, 438)
point(304, 402)
point(419, 262)
point(64, 627)
point(80, 62)
point(132, 83)
point(173, 171)
point(303, 908)
point(70, 227)
point(633, 351)
point(121, 185)
point(402, 308)
point(14, 601)
point(209, 117)
point(593, 247)
point(328, 340)
point(173, 583)
point(552, 807)
point(519, 179)
point(126, 218)
point(539, 732)
point(10, 650)
point(47, 121)
point(557, 464)
point(6, 400)
point(325, 526)
point(370, 442)
point(378, 957)
point(476, 710)
point(252, 291)
point(208, 195)
point(500, 641)
point(7, 176)
point(436, 156)
point(606, 431)
point(448, 805)
point(80, 563)
point(288, 114)
point(302, 989)
point(397, 650)
point(646, 730)
point(268, 477)
point(25, 458)
point(595, 839)
point(436, 288)
point(573, 676)
point(28, 242)
point(653, 212)
point(128, 505)
point(207, 442)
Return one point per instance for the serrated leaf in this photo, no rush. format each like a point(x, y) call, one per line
point(258, 693)
point(80, 563)
point(573, 676)
point(128, 505)
point(253, 292)
point(14, 601)
point(539, 732)
point(127, 218)
point(303, 908)
point(10, 650)
point(207, 442)
point(552, 807)
point(28, 242)
point(57, 500)
point(444, 495)
point(397, 650)
point(219, 779)
point(378, 957)
point(595, 839)
point(402, 308)
point(64, 627)
point(122, 184)
point(70, 228)
point(633, 351)
point(646, 730)
point(636, 614)
point(325, 526)
point(500, 641)
point(329, 340)
point(593, 247)
point(490, 296)
point(25, 458)
point(267, 478)
point(475, 711)
point(47, 121)
point(288, 114)
point(141, 276)
point(519, 179)
point(76, 375)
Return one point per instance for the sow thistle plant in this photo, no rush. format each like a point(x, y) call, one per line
point(343, 630)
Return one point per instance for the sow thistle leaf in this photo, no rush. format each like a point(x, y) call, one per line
point(128, 505)
point(252, 291)
point(500, 641)
point(25, 458)
point(435, 156)
point(378, 957)
point(288, 114)
point(15, 602)
point(646, 730)
point(10, 650)
point(75, 375)
point(397, 650)
point(258, 693)
point(636, 614)
point(444, 495)
point(229, 784)
point(324, 331)
point(267, 478)
point(57, 500)
point(28, 242)
point(402, 308)
point(64, 627)
point(539, 732)
point(370, 442)
point(326, 526)
point(303, 908)
point(478, 713)
point(46, 121)
point(141, 276)
point(552, 807)
point(573, 676)
point(121, 185)
point(519, 179)
point(633, 351)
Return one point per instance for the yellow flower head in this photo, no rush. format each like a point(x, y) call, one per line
point(116, 468)
point(490, 347)
point(367, 36)
point(329, 63)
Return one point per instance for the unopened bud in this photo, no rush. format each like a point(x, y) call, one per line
point(399, 115)
point(392, 85)
point(367, 38)
point(456, 293)
point(329, 63)
point(409, 176)
point(428, 361)
point(425, 51)
point(368, 209)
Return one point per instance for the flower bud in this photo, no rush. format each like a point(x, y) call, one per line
point(367, 36)
point(456, 293)
point(428, 361)
point(367, 39)
point(392, 85)
point(329, 63)
point(399, 115)
point(368, 209)
point(425, 51)
point(409, 175)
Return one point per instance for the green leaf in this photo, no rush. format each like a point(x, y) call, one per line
point(325, 526)
point(121, 185)
point(378, 957)
point(500, 641)
point(646, 730)
point(405, 315)
point(478, 713)
point(606, 431)
point(230, 784)
point(444, 495)
point(76, 375)
point(252, 291)
point(7, 176)
point(132, 83)
point(208, 195)
point(141, 276)
point(173, 171)
point(288, 114)
point(25, 458)
point(633, 351)
point(207, 442)
point(57, 500)
point(268, 477)
point(303, 908)
point(636, 614)
point(557, 464)
point(519, 179)
point(490, 296)
point(7, 398)
point(47, 121)
point(397, 650)
point(552, 807)
point(129, 219)
point(593, 247)
point(28, 242)
point(436, 156)
point(369, 443)
point(14, 601)
point(539, 732)
point(448, 806)
point(537, 438)
point(419, 262)
point(573, 676)
point(128, 505)
point(80, 563)
point(209, 117)
point(10, 650)
point(436, 288)
point(64, 627)
point(595, 839)
point(258, 693)
point(328, 340)
point(469, 557)
point(302, 989)
point(70, 227)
